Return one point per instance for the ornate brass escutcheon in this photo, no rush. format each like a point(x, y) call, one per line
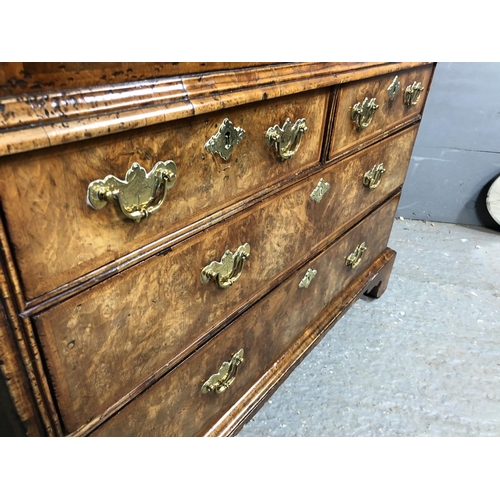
point(139, 195)
point(225, 140)
point(394, 88)
point(319, 191)
point(309, 276)
point(229, 269)
point(355, 257)
point(220, 381)
point(412, 93)
point(373, 177)
point(282, 140)
point(362, 113)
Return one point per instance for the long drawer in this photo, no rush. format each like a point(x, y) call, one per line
point(58, 237)
point(154, 314)
point(368, 108)
point(197, 393)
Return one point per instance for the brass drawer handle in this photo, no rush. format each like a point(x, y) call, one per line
point(220, 381)
point(140, 194)
point(355, 257)
point(309, 276)
point(225, 140)
point(373, 177)
point(362, 113)
point(413, 93)
point(229, 269)
point(319, 191)
point(283, 139)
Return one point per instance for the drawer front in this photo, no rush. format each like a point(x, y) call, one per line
point(176, 405)
point(58, 237)
point(103, 343)
point(354, 123)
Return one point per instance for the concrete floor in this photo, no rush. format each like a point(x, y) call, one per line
point(423, 360)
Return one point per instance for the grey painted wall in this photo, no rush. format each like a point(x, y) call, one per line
point(456, 155)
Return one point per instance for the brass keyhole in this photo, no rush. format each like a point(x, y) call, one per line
point(225, 140)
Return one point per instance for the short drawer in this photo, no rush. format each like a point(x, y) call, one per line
point(58, 237)
point(368, 108)
point(111, 338)
point(177, 404)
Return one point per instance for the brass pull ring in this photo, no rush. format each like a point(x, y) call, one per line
point(282, 139)
point(362, 113)
point(413, 93)
point(220, 381)
point(139, 195)
point(229, 269)
point(373, 177)
point(355, 257)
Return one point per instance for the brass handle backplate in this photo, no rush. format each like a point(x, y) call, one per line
point(413, 93)
point(139, 195)
point(373, 177)
point(319, 191)
point(283, 139)
point(355, 257)
point(394, 88)
point(229, 269)
point(220, 381)
point(362, 113)
point(308, 277)
point(225, 140)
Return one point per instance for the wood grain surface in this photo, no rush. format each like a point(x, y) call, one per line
point(22, 77)
point(20, 358)
point(58, 237)
point(158, 311)
point(233, 420)
point(175, 406)
point(16, 379)
point(105, 326)
point(390, 114)
point(41, 119)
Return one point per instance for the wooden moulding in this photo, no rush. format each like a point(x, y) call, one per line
point(43, 119)
point(23, 77)
point(372, 283)
point(20, 356)
point(11, 365)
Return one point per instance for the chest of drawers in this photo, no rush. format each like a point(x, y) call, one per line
point(174, 245)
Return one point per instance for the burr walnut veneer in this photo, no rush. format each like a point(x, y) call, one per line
point(177, 237)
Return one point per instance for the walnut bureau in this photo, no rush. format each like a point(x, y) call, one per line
point(176, 237)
